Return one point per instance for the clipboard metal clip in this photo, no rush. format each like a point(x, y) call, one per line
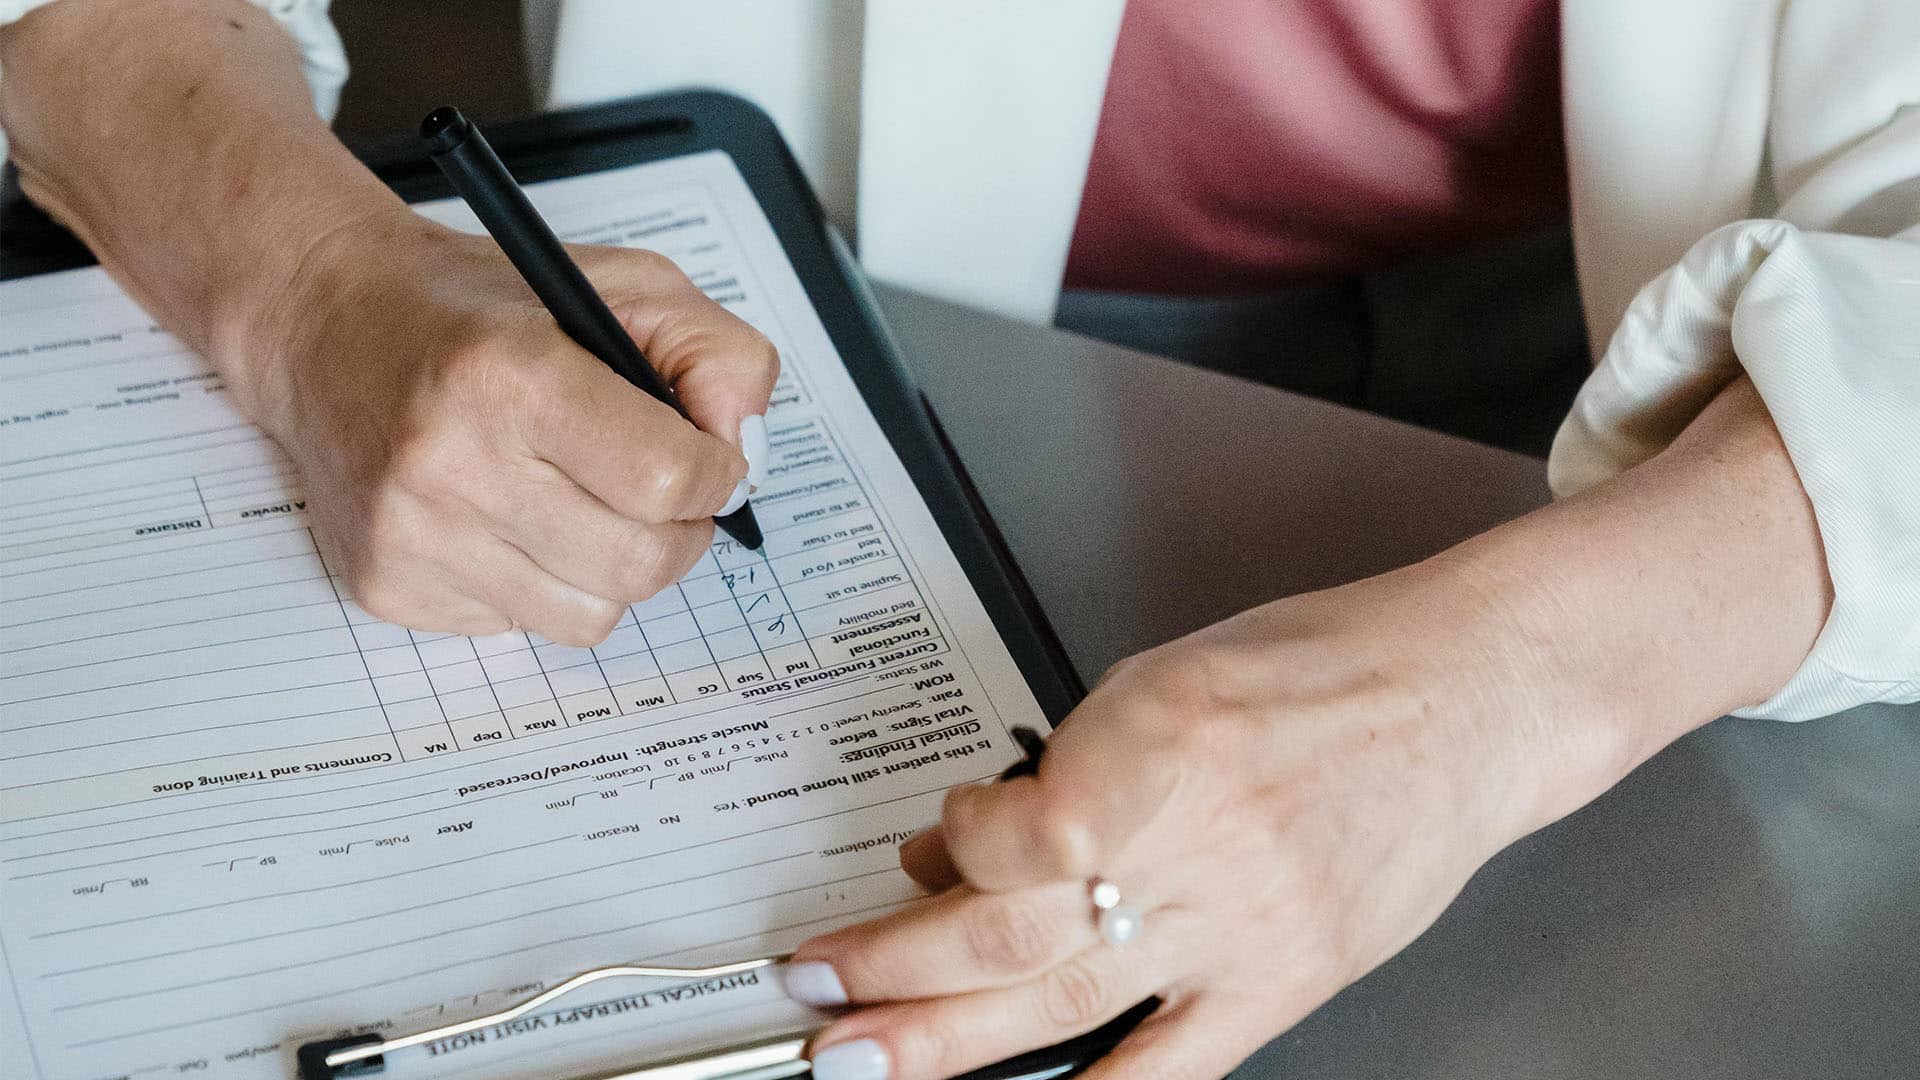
point(365, 1055)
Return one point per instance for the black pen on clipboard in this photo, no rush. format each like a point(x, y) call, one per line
point(480, 178)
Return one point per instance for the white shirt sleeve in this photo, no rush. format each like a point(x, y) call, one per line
point(1820, 305)
point(323, 59)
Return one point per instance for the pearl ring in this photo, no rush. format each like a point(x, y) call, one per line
point(1117, 922)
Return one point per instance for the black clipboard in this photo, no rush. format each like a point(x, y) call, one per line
point(638, 130)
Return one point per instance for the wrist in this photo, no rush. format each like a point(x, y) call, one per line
point(1451, 674)
point(1542, 708)
point(316, 268)
point(1495, 666)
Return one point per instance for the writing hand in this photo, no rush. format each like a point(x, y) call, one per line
point(471, 468)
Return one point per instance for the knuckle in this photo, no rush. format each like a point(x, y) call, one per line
point(627, 274)
point(696, 481)
point(1214, 679)
point(385, 523)
point(1008, 935)
point(643, 565)
point(480, 624)
point(672, 488)
point(392, 533)
point(602, 617)
point(1072, 996)
point(1123, 670)
point(587, 627)
point(570, 633)
point(645, 261)
point(865, 975)
point(961, 815)
point(1192, 738)
point(1174, 682)
point(690, 542)
point(656, 264)
point(427, 456)
point(1322, 964)
point(1064, 839)
point(766, 356)
point(377, 578)
point(1056, 841)
point(381, 596)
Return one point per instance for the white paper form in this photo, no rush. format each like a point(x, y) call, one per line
point(240, 813)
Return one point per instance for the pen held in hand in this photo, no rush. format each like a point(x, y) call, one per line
point(480, 178)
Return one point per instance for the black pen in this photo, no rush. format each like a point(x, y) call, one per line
point(480, 178)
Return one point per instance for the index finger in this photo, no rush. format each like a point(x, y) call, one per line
point(1099, 786)
point(981, 941)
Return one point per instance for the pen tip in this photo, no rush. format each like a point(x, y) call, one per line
point(743, 527)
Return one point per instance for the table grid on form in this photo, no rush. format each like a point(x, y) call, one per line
point(739, 620)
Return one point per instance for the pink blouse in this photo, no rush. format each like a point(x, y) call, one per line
point(1250, 143)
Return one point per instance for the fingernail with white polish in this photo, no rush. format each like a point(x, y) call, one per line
point(735, 501)
point(753, 445)
point(860, 1060)
point(812, 982)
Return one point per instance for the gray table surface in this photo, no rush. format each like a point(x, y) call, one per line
point(1745, 905)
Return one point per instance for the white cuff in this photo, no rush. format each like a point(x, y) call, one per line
point(1828, 328)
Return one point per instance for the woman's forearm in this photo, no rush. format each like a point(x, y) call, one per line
point(178, 140)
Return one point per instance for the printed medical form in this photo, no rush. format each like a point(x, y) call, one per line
point(240, 813)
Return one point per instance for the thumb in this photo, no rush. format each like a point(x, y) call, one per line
point(720, 367)
point(723, 372)
point(727, 395)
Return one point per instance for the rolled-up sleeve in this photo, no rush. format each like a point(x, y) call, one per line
point(1820, 306)
point(323, 59)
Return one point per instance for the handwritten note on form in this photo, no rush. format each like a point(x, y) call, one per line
point(240, 813)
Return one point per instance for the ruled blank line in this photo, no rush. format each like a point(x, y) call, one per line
point(168, 652)
point(201, 731)
point(202, 545)
point(496, 956)
point(306, 891)
point(140, 457)
point(550, 909)
point(187, 675)
point(329, 602)
point(308, 554)
point(183, 704)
